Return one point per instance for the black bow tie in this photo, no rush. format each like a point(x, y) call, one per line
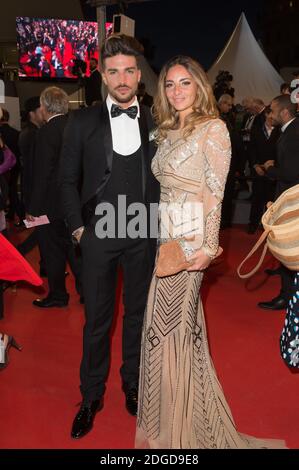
point(117, 111)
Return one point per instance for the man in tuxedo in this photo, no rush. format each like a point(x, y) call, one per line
point(54, 238)
point(258, 108)
point(285, 171)
point(33, 121)
point(93, 83)
point(107, 150)
point(263, 143)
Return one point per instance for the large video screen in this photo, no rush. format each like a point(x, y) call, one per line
point(56, 49)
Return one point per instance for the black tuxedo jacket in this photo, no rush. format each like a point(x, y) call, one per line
point(93, 85)
point(262, 148)
point(45, 197)
point(86, 161)
point(259, 120)
point(286, 169)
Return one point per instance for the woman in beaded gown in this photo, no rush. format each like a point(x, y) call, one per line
point(181, 402)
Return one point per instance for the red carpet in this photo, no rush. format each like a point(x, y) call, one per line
point(39, 389)
point(67, 62)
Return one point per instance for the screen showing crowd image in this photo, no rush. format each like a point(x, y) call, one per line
point(56, 49)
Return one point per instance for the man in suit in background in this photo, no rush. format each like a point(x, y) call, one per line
point(263, 147)
point(285, 171)
point(54, 238)
point(109, 144)
point(258, 108)
point(93, 83)
point(34, 120)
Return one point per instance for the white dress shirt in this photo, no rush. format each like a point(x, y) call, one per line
point(125, 130)
point(55, 115)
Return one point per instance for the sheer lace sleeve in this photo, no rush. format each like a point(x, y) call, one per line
point(217, 154)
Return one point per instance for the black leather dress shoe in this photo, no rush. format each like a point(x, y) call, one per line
point(83, 421)
point(43, 272)
point(278, 303)
point(131, 393)
point(48, 303)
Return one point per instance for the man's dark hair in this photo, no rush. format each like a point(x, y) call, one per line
point(120, 44)
point(32, 103)
point(95, 60)
point(267, 110)
point(284, 102)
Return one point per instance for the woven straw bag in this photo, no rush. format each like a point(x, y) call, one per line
point(281, 225)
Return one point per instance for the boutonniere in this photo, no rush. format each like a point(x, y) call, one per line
point(153, 134)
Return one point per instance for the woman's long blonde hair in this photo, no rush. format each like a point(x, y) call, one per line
point(204, 107)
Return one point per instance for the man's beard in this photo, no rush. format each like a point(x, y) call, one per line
point(123, 99)
point(276, 123)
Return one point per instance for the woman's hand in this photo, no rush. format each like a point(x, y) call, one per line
point(29, 217)
point(199, 261)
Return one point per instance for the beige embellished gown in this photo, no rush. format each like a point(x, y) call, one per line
point(181, 402)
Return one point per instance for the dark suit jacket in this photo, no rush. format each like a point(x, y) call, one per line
point(258, 121)
point(262, 149)
point(86, 160)
point(286, 169)
point(93, 85)
point(27, 145)
point(45, 198)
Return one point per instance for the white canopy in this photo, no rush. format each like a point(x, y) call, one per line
point(243, 57)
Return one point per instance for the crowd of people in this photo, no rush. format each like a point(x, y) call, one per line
point(53, 48)
point(254, 136)
point(189, 152)
point(265, 144)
